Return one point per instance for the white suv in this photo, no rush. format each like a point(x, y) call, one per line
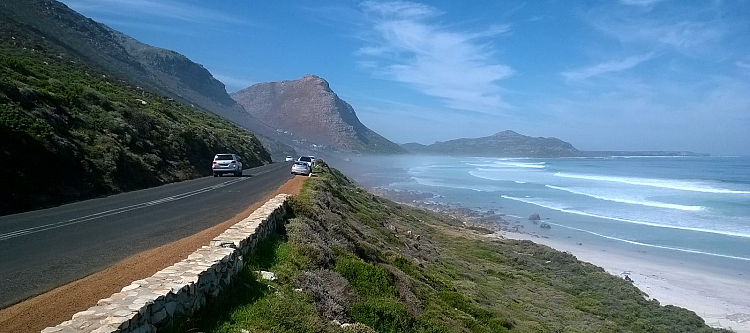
point(226, 163)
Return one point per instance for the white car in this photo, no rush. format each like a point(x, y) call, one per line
point(226, 163)
point(307, 159)
point(301, 168)
point(289, 159)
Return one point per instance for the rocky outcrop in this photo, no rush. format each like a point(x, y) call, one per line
point(310, 110)
point(502, 144)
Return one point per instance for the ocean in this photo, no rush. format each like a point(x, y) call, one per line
point(691, 209)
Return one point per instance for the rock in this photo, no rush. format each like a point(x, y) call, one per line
point(265, 275)
point(309, 108)
point(358, 327)
point(159, 316)
point(627, 278)
point(534, 217)
point(545, 225)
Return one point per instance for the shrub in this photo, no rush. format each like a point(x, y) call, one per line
point(384, 314)
point(330, 292)
point(367, 279)
point(309, 242)
point(278, 312)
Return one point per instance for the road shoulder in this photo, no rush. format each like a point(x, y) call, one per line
point(59, 304)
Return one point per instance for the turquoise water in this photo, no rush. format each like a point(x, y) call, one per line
point(691, 206)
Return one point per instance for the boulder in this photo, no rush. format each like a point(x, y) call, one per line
point(534, 217)
point(545, 225)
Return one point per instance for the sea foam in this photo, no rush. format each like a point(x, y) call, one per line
point(629, 201)
point(651, 224)
point(538, 165)
point(662, 183)
point(479, 188)
point(651, 245)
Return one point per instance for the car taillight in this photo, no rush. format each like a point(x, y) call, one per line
point(214, 162)
point(234, 162)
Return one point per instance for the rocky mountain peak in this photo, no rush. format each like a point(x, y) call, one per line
point(314, 80)
point(507, 133)
point(501, 144)
point(309, 109)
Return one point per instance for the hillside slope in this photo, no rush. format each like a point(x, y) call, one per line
point(155, 69)
point(352, 257)
point(69, 131)
point(311, 110)
point(502, 144)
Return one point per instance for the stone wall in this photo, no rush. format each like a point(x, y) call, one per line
point(181, 289)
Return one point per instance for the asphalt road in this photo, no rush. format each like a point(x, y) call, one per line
point(43, 249)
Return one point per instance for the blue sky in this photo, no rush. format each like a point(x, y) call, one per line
point(603, 75)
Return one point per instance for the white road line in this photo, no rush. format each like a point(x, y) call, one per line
point(27, 231)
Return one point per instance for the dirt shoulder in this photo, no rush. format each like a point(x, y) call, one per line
point(59, 304)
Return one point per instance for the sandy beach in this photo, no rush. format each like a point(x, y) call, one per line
point(720, 300)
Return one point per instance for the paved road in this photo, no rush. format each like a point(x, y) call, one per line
point(43, 249)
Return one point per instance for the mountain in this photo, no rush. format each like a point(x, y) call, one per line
point(309, 109)
point(501, 144)
point(70, 130)
point(151, 68)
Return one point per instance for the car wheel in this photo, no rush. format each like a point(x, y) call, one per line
point(216, 174)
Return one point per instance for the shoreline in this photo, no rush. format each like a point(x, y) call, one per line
point(720, 299)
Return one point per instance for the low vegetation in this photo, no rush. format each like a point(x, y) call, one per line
point(70, 132)
point(348, 256)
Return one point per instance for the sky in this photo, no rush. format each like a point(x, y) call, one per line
point(602, 75)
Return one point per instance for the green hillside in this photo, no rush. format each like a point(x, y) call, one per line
point(353, 257)
point(69, 131)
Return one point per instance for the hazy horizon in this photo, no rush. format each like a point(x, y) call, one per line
point(626, 75)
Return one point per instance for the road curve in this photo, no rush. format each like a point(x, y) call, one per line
point(43, 249)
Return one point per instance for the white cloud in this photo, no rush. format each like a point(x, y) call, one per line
point(644, 3)
point(684, 29)
point(400, 9)
point(404, 44)
point(710, 114)
point(606, 67)
point(742, 64)
point(234, 83)
point(169, 9)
